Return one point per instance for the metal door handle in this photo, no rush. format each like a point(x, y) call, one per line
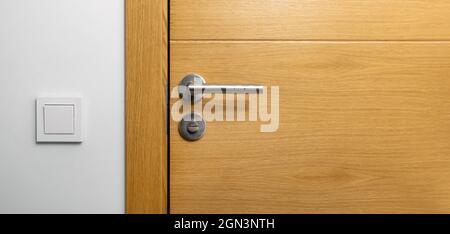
point(193, 86)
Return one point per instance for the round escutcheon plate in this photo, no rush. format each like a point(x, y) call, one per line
point(192, 127)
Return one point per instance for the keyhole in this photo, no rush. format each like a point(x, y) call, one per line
point(193, 127)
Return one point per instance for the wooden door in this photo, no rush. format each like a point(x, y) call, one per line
point(364, 104)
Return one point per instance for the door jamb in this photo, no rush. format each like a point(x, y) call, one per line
point(146, 82)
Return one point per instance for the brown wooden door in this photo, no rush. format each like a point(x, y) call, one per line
point(364, 106)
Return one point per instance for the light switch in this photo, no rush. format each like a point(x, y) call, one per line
point(58, 120)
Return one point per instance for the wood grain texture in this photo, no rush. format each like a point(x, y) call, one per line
point(146, 82)
point(310, 19)
point(364, 126)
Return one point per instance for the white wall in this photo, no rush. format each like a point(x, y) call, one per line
point(62, 47)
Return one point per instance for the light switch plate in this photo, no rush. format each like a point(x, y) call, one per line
point(59, 119)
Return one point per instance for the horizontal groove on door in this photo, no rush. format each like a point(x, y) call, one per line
point(310, 19)
point(306, 41)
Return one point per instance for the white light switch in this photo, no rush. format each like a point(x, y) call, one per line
point(58, 120)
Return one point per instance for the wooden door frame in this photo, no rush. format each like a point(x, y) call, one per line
point(146, 82)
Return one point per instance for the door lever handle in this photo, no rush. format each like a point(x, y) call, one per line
point(193, 86)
